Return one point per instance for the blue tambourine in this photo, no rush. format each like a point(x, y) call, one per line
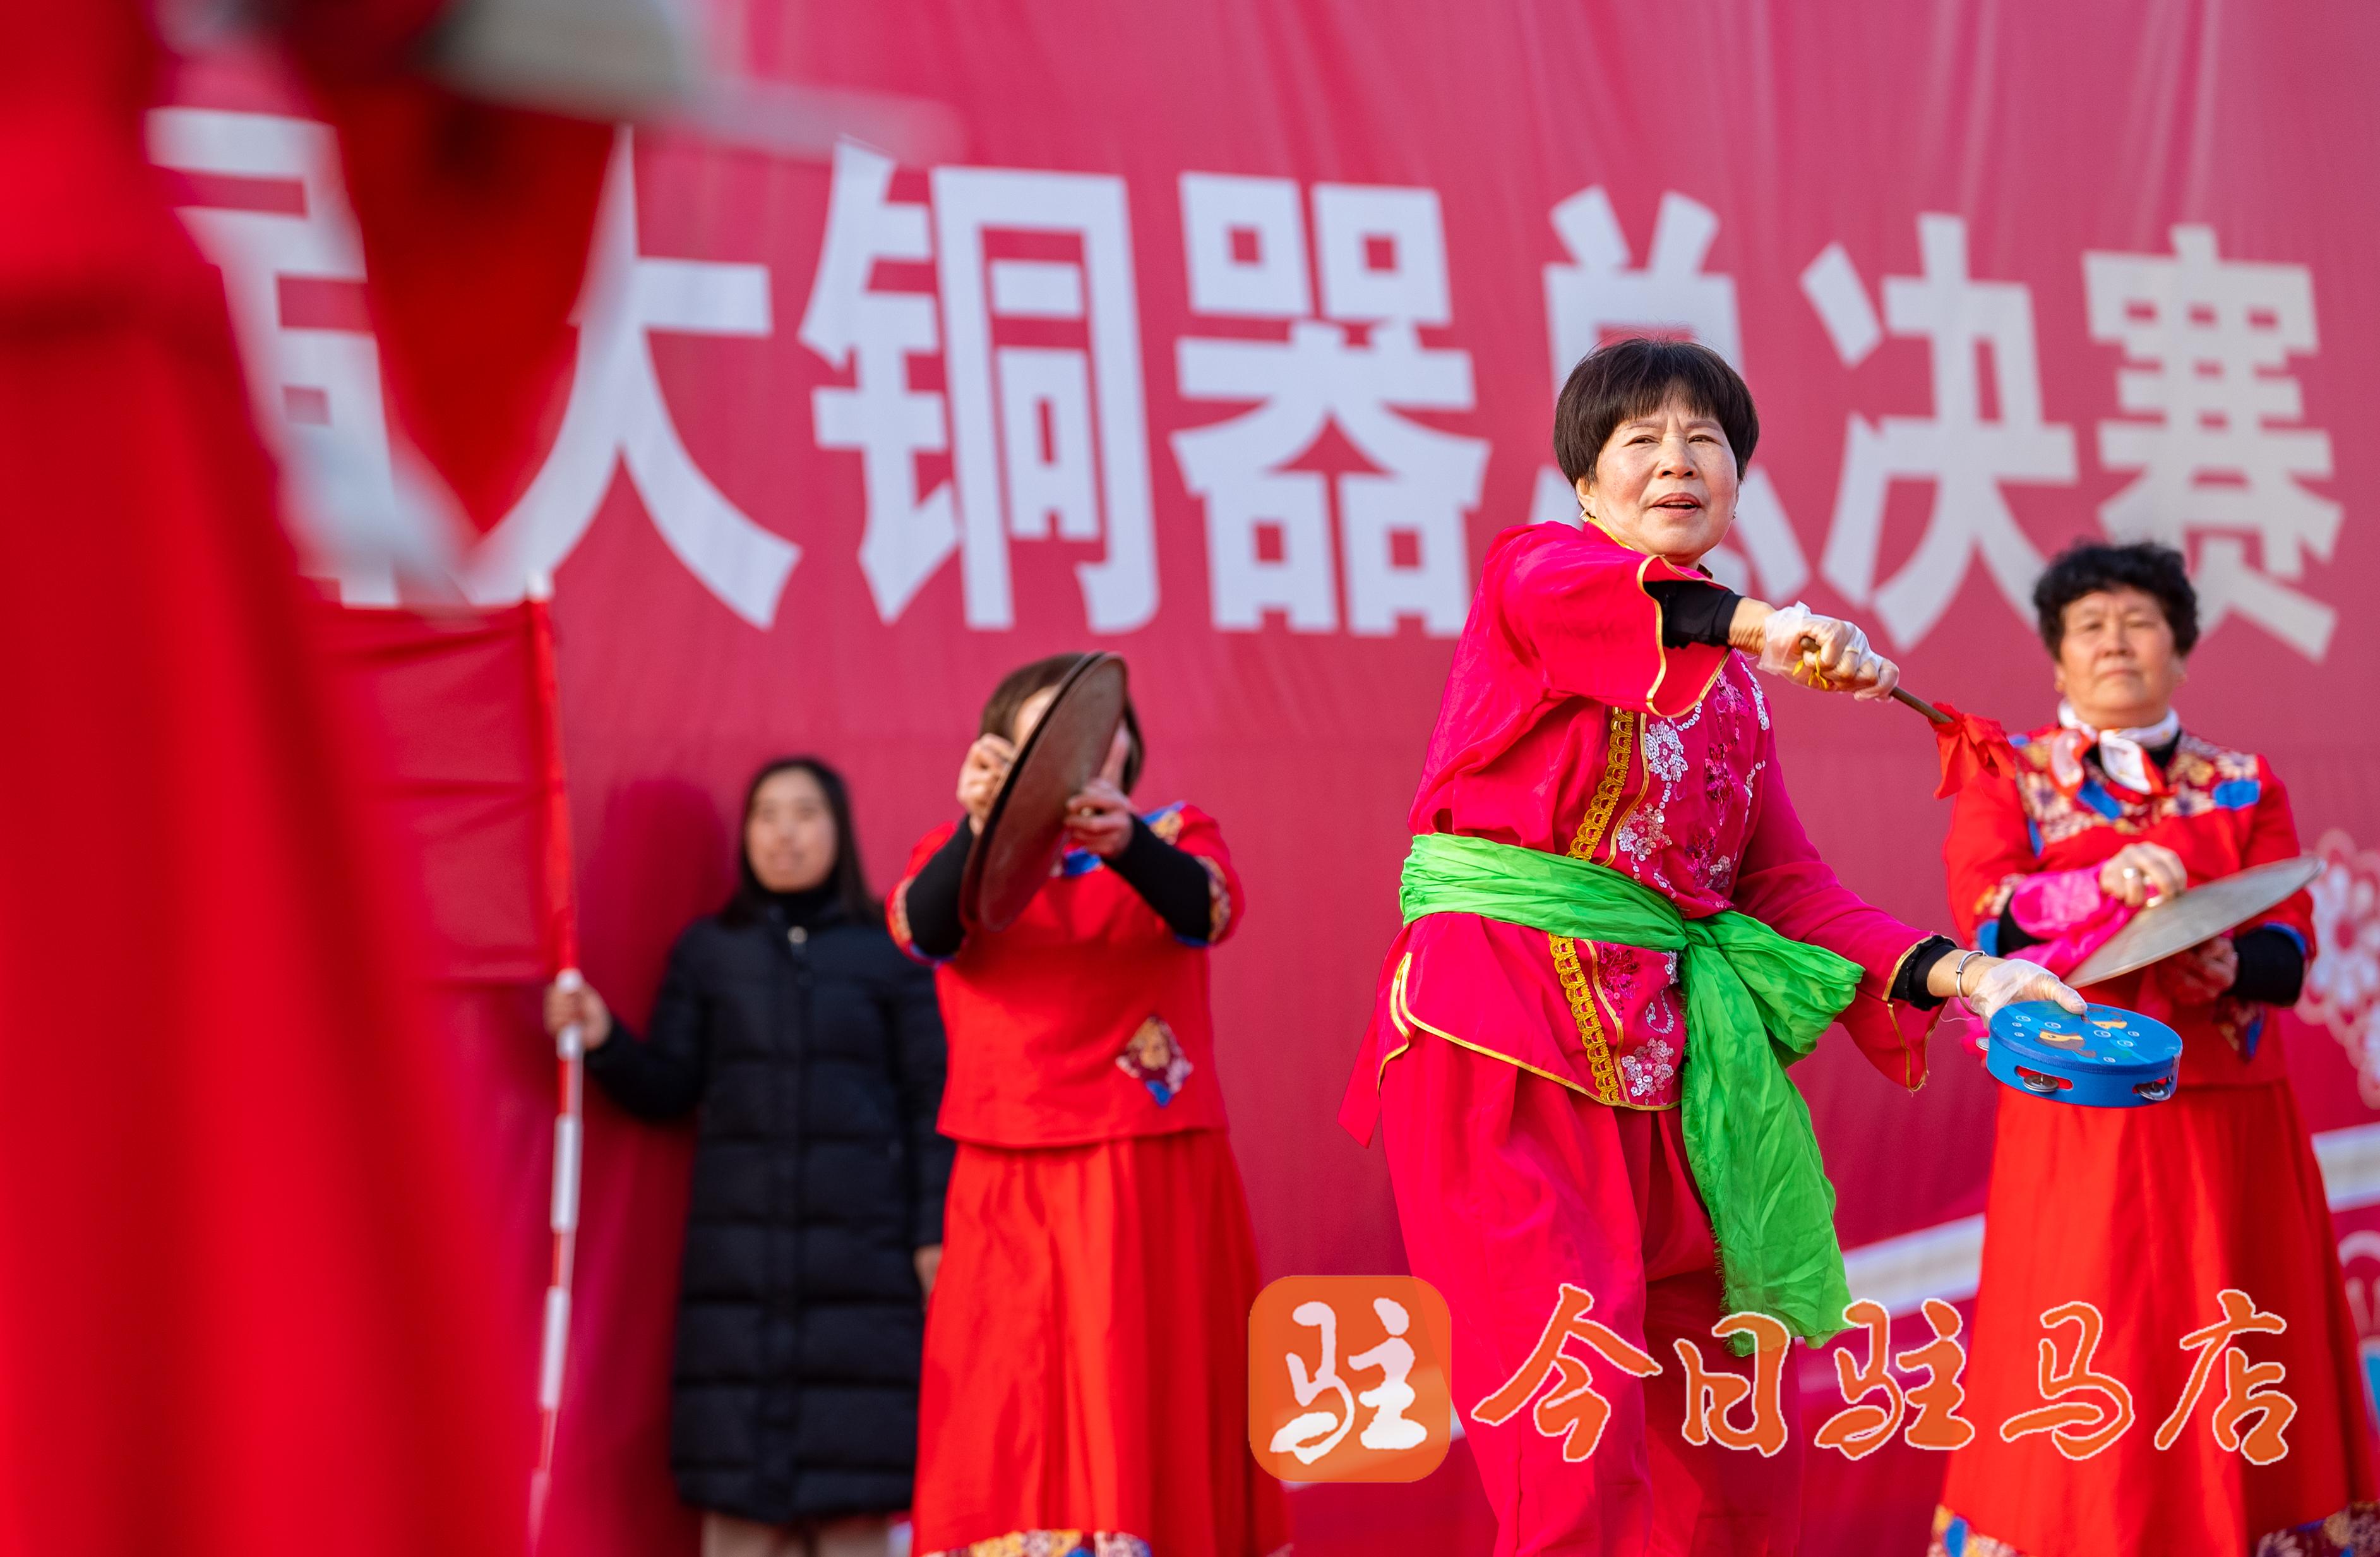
point(2106, 1058)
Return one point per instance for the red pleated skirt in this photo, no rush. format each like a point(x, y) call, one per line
point(2148, 1213)
point(1085, 1369)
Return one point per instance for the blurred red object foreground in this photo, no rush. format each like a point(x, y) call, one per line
point(243, 1276)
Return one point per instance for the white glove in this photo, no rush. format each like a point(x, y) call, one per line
point(1843, 661)
point(2012, 983)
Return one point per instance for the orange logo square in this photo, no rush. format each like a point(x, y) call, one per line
point(1347, 1379)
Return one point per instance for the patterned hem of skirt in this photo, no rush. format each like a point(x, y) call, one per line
point(1052, 1543)
point(2353, 1531)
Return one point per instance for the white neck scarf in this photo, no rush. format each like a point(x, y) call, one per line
point(2124, 754)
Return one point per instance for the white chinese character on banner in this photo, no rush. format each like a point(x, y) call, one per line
point(1044, 434)
point(617, 414)
point(363, 508)
point(872, 334)
point(2206, 338)
point(1047, 431)
point(1965, 455)
point(1381, 258)
point(1597, 292)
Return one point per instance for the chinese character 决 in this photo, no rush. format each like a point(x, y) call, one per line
point(2204, 340)
point(1572, 1410)
point(1967, 457)
point(2079, 1427)
point(2248, 1389)
point(1710, 1396)
point(1381, 258)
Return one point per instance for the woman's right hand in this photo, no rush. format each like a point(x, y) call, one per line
point(1824, 652)
point(2143, 873)
point(568, 1002)
point(985, 769)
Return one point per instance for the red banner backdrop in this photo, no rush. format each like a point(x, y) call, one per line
point(1225, 337)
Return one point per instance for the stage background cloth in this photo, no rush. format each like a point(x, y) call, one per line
point(1225, 337)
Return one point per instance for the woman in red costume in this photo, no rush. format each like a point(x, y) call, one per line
point(2149, 1215)
point(1085, 1371)
point(1549, 1076)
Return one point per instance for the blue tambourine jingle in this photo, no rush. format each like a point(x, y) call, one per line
point(2106, 1058)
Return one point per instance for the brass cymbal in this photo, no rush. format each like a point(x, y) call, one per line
point(2179, 922)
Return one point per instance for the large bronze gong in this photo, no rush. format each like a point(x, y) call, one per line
point(1025, 833)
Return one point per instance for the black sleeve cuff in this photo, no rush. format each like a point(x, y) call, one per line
point(1170, 881)
point(1694, 613)
point(2272, 966)
point(2013, 937)
point(933, 901)
point(1909, 984)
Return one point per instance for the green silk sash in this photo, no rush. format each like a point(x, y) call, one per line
point(1755, 1002)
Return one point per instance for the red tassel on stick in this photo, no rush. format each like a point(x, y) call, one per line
point(1969, 745)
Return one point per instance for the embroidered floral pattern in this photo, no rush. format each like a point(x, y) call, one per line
point(1649, 1068)
point(1052, 1543)
point(1153, 1057)
point(1665, 754)
point(1219, 899)
point(2342, 987)
point(1641, 836)
point(2202, 777)
point(1672, 812)
point(1166, 824)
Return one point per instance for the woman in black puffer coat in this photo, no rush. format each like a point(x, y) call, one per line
point(812, 1050)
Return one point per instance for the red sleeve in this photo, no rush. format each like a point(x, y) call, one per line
point(1783, 883)
point(2273, 835)
point(1201, 837)
point(1573, 606)
point(896, 902)
point(1989, 845)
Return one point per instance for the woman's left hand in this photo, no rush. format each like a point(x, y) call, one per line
point(929, 1265)
point(2202, 974)
point(1100, 819)
point(1987, 983)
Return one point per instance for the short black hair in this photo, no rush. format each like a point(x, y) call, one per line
point(2088, 566)
point(1016, 689)
point(849, 877)
point(1622, 380)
